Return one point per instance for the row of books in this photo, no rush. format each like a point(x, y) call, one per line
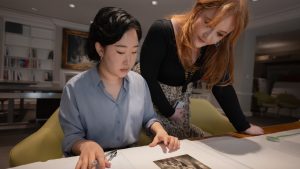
point(15, 62)
point(27, 75)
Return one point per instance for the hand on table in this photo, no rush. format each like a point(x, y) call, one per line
point(254, 130)
point(169, 141)
point(91, 156)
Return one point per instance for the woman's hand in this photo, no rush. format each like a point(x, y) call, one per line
point(178, 115)
point(89, 152)
point(254, 130)
point(162, 136)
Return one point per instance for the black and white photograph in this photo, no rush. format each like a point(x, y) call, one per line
point(180, 162)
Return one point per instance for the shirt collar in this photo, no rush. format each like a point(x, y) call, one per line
point(98, 82)
point(95, 75)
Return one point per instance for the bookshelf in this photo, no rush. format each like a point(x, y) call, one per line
point(28, 53)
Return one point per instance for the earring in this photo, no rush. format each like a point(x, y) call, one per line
point(217, 44)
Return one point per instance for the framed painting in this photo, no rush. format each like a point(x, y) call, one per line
point(74, 54)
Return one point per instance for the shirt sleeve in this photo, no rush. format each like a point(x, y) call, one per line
point(69, 118)
point(152, 54)
point(228, 100)
point(149, 115)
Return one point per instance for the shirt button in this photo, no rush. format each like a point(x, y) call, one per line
point(118, 122)
point(118, 138)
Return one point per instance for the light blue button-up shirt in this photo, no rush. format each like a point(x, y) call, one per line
point(88, 112)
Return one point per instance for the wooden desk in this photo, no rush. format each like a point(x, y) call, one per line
point(272, 129)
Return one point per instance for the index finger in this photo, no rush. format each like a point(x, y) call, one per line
point(101, 160)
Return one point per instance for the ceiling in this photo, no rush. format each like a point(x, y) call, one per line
point(85, 10)
point(146, 13)
point(279, 43)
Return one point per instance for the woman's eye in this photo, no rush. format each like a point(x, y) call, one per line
point(134, 52)
point(121, 53)
point(220, 35)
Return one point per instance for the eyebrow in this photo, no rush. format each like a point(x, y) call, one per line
point(124, 46)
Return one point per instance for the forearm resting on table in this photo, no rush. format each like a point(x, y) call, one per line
point(157, 127)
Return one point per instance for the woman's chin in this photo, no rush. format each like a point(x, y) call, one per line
point(199, 44)
point(123, 73)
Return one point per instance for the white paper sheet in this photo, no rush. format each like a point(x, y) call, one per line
point(257, 152)
point(119, 162)
point(143, 157)
point(62, 163)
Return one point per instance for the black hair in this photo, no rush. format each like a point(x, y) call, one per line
point(108, 27)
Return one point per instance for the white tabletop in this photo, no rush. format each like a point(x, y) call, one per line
point(217, 152)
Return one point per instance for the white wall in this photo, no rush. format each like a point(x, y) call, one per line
point(244, 66)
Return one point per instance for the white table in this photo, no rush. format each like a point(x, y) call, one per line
point(224, 152)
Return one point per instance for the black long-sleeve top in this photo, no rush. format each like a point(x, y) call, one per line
point(160, 63)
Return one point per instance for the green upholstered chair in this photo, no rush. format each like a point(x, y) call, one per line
point(42, 145)
point(144, 139)
point(205, 116)
point(265, 101)
point(287, 101)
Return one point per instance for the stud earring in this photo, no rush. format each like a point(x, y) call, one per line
point(217, 44)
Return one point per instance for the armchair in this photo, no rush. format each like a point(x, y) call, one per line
point(287, 101)
point(205, 116)
point(265, 101)
point(42, 145)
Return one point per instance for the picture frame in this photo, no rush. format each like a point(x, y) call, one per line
point(74, 54)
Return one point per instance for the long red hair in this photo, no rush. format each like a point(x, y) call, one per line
point(219, 60)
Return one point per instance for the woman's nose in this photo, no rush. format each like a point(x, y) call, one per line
point(208, 37)
point(126, 59)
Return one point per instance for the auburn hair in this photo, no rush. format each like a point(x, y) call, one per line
point(219, 59)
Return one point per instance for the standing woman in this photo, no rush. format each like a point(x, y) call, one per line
point(197, 45)
point(106, 106)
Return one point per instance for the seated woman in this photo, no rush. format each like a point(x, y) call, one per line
point(105, 107)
